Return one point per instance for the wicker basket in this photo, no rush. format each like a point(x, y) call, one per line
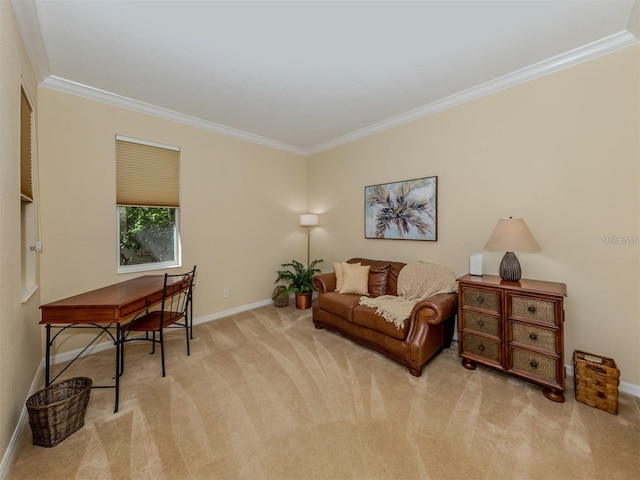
point(58, 411)
point(280, 301)
point(596, 381)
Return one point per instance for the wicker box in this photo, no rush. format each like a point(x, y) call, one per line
point(58, 411)
point(596, 381)
point(279, 300)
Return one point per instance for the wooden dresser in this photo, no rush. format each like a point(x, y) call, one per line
point(515, 327)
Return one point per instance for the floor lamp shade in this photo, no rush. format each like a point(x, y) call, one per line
point(511, 235)
point(308, 220)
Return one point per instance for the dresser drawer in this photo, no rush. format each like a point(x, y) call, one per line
point(534, 364)
point(481, 323)
point(481, 347)
point(484, 299)
point(533, 336)
point(533, 309)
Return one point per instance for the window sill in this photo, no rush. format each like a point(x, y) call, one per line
point(146, 267)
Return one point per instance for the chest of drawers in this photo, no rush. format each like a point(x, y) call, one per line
point(515, 327)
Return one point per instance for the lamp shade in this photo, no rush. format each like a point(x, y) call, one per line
point(308, 220)
point(512, 235)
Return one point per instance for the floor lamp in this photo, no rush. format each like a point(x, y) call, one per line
point(308, 220)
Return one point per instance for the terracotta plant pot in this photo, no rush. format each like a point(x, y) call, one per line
point(303, 300)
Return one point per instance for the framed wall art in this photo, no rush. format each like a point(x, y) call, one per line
point(404, 210)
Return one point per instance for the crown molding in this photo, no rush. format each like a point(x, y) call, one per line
point(74, 88)
point(582, 54)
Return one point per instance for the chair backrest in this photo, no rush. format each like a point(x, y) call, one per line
point(176, 295)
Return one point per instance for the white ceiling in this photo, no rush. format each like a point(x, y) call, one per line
point(304, 76)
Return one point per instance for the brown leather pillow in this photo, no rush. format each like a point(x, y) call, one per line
point(378, 280)
point(392, 281)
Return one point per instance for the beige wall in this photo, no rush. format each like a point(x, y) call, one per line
point(238, 203)
point(20, 347)
point(561, 151)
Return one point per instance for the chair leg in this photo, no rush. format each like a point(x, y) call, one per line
point(161, 349)
point(190, 323)
point(186, 328)
point(153, 342)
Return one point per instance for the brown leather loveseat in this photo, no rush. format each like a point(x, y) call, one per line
point(425, 333)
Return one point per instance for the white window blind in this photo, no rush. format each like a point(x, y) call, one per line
point(147, 174)
point(26, 188)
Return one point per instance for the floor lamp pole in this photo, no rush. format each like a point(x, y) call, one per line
point(308, 220)
point(308, 245)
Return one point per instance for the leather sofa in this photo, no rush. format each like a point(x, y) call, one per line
point(425, 333)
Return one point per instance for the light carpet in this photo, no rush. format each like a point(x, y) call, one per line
point(264, 395)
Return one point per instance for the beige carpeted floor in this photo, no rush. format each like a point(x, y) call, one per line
point(264, 395)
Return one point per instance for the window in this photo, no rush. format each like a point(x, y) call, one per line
point(29, 243)
point(147, 197)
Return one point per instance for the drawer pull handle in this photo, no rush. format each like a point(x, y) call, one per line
point(481, 347)
point(533, 364)
point(480, 323)
point(532, 309)
point(533, 336)
point(480, 299)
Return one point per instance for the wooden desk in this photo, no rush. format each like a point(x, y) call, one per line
point(101, 308)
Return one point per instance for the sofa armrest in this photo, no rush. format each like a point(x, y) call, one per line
point(442, 306)
point(324, 282)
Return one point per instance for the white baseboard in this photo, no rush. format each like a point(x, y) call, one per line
point(233, 311)
point(22, 422)
point(101, 347)
point(625, 387)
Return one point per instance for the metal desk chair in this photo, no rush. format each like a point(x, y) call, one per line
point(175, 312)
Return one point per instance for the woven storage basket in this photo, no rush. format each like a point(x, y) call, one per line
point(280, 301)
point(596, 381)
point(58, 411)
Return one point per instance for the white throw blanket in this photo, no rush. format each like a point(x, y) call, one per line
point(416, 281)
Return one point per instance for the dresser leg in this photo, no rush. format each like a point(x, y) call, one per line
point(553, 395)
point(468, 364)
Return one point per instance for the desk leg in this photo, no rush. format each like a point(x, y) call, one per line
point(47, 360)
point(118, 347)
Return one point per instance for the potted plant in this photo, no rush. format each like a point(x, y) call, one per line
point(297, 279)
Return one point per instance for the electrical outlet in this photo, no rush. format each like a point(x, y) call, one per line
point(225, 293)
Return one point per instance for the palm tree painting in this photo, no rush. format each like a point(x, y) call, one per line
point(402, 210)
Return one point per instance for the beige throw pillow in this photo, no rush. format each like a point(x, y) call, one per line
point(355, 278)
point(337, 268)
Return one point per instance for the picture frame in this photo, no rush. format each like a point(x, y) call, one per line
point(405, 210)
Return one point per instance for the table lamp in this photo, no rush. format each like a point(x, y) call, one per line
point(511, 235)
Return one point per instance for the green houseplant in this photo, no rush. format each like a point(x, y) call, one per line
point(297, 279)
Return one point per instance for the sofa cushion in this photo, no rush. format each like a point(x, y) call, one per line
point(337, 269)
point(339, 304)
point(392, 281)
point(378, 280)
point(355, 278)
point(392, 271)
point(367, 317)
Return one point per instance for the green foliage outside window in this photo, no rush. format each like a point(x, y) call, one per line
point(147, 235)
